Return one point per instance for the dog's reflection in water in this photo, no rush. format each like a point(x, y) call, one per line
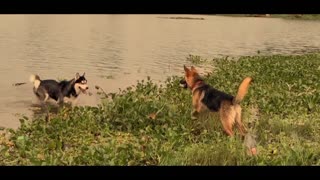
point(47, 110)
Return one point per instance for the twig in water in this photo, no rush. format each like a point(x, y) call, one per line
point(98, 87)
point(19, 84)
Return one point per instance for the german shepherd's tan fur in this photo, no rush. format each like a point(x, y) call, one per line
point(206, 98)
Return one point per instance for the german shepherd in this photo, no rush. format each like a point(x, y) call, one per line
point(206, 98)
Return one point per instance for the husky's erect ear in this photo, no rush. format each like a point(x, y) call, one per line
point(77, 76)
point(84, 73)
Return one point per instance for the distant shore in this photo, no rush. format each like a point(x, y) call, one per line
point(191, 18)
point(285, 16)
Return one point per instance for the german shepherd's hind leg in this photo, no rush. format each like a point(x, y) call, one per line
point(241, 127)
point(227, 117)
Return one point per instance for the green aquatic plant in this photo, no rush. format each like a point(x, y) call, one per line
point(150, 124)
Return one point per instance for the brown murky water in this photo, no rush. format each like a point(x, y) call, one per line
point(128, 48)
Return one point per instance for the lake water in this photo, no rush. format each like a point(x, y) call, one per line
point(127, 48)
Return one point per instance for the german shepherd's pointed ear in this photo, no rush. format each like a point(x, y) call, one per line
point(193, 69)
point(186, 69)
point(77, 76)
point(84, 73)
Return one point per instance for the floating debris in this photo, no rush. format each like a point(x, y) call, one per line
point(19, 84)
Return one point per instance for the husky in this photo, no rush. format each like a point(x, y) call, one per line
point(59, 91)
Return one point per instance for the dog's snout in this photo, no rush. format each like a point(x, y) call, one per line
point(87, 87)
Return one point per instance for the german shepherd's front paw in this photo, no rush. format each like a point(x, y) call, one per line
point(194, 115)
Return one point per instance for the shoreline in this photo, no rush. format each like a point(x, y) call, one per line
point(150, 124)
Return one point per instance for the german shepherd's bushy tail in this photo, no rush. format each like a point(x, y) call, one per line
point(243, 90)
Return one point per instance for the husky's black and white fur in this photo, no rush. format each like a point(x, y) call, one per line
point(59, 91)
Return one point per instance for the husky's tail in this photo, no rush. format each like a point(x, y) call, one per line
point(243, 89)
point(35, 80)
